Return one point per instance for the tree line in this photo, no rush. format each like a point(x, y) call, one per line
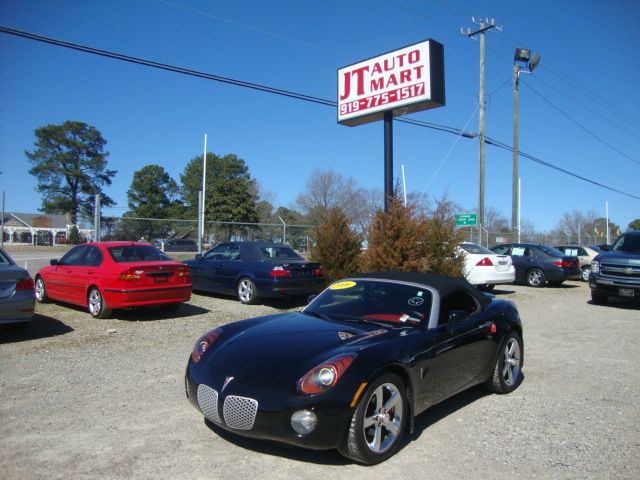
point(70, 164)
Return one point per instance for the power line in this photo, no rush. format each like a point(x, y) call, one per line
point(582, 127)
point(503, 145)
point(285, 93)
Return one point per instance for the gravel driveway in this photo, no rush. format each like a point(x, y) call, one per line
point(104, 399)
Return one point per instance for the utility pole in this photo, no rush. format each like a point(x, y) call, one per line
point(484, 24)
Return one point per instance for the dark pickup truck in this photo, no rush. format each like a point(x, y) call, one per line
point(616, 273)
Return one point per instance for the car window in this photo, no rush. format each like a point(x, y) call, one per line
point(93, 257)
point(459, 300)
point(582, 252)
point(233, 252)
point(501, 250)
point(549, 251)
point(4, 259)
point(627, 243)
point(520, 252)
point(475, 248)
point(572, 251)
point(73, 257)
point(279, 252)
point(137, 253)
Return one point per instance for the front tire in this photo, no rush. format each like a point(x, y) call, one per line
point(598, 299)
point(247, 291)
point(586, 271)
point(41, 291)
point(378, 423)
point(97, 306)
point(536, 278)
point(507, 373)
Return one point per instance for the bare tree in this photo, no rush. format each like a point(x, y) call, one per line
point(325, 190)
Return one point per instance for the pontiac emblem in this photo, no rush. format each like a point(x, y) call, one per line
point(227, 381)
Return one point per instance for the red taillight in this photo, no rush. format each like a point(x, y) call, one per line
point(131, 275)
point(279, 271)
point(203, 344)
point(326, 375)
point(485, 262)
point(564, 263)
point(24, 284)
point(183, 275)
point(317, 272)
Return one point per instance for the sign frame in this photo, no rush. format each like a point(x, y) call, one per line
point(369, 105)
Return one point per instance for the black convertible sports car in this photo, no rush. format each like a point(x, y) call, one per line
point(356, 365)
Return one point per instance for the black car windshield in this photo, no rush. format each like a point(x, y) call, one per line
point(627, 243)
point(137, 253)
point(279, 252)
point(373, 301)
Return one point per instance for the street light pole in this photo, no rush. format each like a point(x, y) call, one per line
point(522, 63)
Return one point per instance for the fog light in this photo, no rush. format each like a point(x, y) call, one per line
point(303, 422)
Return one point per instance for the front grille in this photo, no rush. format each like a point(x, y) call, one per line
point(618, 271)
point(240, 412)
point(208, 401)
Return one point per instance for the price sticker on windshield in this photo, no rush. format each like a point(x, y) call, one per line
point(342, 285)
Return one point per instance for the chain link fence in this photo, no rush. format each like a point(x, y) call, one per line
point(488, 239)
point(182, 235)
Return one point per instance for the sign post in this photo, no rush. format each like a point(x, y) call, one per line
point(403, 81)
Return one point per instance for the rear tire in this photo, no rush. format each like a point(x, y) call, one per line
point(507, 373)
point(247, 291)
point(598, 299)
point(536, 278)
point(96, 304)
point(41, 291)
point(377, 425)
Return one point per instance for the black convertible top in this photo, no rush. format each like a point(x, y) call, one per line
point(442, 284)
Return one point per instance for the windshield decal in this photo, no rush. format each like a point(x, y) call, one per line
point(416, 301)
point(342, 285)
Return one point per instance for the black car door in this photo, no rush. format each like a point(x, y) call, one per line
point(458, 356)
point(206, 274)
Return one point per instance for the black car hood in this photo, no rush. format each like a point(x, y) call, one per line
point(288, 341)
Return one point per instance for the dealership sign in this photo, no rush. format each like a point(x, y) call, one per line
point(403, 81)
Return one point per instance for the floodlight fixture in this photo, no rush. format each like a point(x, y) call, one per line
point(522, 55)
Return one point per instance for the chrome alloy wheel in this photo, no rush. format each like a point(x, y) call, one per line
point(95, 302)
point(246, 290)
point(383, 418)
point(40, 289)
point(536, 278)
point(512, 362)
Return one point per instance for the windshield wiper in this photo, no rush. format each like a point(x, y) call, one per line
point(317, 314)
point(366, 320)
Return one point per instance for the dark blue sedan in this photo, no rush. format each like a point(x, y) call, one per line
point(253, 270)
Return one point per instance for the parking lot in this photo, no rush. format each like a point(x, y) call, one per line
point(86, 398)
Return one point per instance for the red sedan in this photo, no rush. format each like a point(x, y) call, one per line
point(107, 275)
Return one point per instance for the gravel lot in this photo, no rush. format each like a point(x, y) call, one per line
point(84, 398)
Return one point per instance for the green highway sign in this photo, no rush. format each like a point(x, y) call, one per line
point(465, 219)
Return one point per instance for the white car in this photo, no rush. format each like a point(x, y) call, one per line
point(485, 268)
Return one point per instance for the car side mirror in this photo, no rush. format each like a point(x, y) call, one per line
point(198, 256)
point(54, 261)
point(456, 316)
point(311, 298)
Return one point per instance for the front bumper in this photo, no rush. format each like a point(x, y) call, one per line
point(231, 409)
point(614, 287)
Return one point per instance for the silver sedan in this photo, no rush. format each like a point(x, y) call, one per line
point(17, 298)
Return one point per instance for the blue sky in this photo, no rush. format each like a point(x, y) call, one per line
point(579, 109)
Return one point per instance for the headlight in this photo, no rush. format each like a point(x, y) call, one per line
point(203, 344)
point(595, 266)
point(323, 377)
